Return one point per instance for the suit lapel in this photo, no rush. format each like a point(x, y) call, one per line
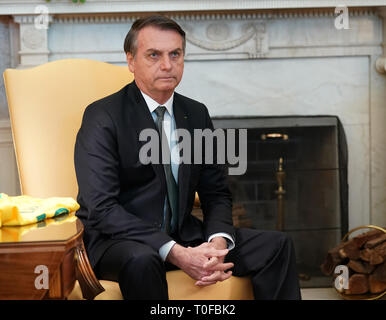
point(143, 120)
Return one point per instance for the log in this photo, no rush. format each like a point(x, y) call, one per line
point(365, 254)
point(375, 285)
point(362, 238)
point(357, 284)
point(332, 260)
point(360, 267)
point(380, 272)
point(349, 250)
point(381, 250)
point(376, 241)
point(374, 256)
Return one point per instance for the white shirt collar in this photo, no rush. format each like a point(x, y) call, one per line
point(152, 104)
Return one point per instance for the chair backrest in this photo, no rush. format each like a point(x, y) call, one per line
point(46, 105)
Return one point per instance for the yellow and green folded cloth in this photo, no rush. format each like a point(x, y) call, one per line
point(23, 210)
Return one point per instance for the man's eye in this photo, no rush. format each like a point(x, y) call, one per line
point(175, 54)
point(153, 55)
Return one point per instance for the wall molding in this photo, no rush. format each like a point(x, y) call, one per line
point(9, 178)
point(242, 35)
point(11, 7)
point(5, 133)
point(272, 14)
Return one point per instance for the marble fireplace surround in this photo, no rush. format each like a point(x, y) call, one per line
point(247, 58)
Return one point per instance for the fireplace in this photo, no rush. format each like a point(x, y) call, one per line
point(296, 182)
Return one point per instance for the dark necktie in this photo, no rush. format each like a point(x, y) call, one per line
point(171, 212)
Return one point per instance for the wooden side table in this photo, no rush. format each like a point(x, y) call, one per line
point(43, 260)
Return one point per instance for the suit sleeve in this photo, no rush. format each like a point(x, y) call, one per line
point(214, 194)
point(97, 170)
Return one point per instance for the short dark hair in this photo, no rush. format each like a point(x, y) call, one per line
point(157, 21)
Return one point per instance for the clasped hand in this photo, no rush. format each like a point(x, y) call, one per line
point(204, 263)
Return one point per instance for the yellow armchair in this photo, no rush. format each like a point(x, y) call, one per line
point(46, 104)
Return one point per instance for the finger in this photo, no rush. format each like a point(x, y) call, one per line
point(216, 263)
point(204, 245)
point(225, 276)
point(211, 252)
point(204, 283)
point(215, 276)
point(211, 262)
point(206, 273)
point(220, 277)
point(221, 266)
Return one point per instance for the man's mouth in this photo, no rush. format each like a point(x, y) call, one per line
point(165, 78)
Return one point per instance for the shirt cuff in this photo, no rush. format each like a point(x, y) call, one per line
point(164, 250)
point(228, 237)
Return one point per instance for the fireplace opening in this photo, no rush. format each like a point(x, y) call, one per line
point(296, 182)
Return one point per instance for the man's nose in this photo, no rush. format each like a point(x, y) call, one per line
point(165, 63)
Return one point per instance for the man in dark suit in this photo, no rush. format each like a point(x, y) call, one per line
point(137, 216)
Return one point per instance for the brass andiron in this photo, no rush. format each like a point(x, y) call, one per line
point(274, 135)
point(280, 178)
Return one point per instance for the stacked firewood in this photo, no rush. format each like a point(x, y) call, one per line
point(365, 257)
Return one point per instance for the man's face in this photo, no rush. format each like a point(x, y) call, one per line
point(158, 63)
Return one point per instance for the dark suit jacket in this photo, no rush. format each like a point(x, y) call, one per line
point(120, 198)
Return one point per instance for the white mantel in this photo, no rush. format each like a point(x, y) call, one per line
point(12, 7)
point(281, 58)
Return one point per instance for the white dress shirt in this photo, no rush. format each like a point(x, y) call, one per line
point(169, 126)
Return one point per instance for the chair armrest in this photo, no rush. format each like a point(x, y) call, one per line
point(85, 275)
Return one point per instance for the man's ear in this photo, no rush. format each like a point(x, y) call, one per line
point(130, 61)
